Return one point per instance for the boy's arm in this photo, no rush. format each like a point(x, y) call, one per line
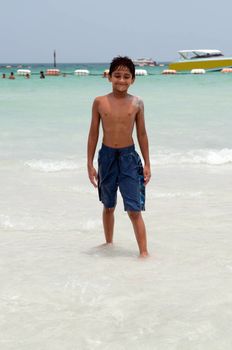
point(92, 142)
point(143, 141)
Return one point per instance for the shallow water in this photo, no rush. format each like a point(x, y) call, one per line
point(59, 288)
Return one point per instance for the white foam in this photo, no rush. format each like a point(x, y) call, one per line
point(5, 222)
point(9, 223)
point(207, 157)
point(154, 194)
point(31, 223)
point(53, 165)
point(90, 224)
point(84, 190)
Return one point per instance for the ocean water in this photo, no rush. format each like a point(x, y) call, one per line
point(59, 288)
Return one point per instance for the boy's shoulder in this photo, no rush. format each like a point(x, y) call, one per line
point(137, 101)
point(102, 97)
point(99, 99)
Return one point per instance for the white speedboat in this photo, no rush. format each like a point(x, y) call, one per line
point(141, 62)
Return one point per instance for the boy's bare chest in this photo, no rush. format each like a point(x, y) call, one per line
point(124, 113)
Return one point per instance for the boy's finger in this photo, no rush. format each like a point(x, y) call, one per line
point(94, 181)
point(147, 179)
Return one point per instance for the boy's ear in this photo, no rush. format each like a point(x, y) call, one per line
point(109, 77)
point(133, 80)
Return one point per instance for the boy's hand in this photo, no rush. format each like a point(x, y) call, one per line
point(146, 174)
point(93, 175)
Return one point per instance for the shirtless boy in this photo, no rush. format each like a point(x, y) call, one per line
point(119, 165)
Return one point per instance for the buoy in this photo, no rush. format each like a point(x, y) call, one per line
point(226, 70)
point(140, 72)
point(53, 72)
point(169, 71)
point(81, 72)
point(106, 73)
point(198, 71)
point(23, 71)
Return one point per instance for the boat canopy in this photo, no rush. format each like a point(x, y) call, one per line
point(194, 54)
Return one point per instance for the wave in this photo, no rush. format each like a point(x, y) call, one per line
point(5, 222)
point(84, 190)
point(90, 224)
point(16, 223)
point(53, 165)
point(208, 157)
point(154, 194)
point(201, 156)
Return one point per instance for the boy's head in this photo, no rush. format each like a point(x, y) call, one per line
point(122, 62)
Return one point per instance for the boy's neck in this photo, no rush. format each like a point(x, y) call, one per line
point(119, 94)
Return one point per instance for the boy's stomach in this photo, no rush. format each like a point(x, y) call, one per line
point(117, 142)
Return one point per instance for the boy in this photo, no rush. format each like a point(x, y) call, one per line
point(118, 163)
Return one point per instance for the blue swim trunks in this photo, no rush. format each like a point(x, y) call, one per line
point(121, 167)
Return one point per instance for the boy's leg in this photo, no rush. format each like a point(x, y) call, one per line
point(108, 223)
point(140, 231)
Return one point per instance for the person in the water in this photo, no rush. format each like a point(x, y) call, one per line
point(12, 76)
point(119, 165)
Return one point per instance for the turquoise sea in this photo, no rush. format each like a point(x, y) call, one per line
point(60, 290)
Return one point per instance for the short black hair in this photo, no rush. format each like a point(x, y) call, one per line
point(122, 61)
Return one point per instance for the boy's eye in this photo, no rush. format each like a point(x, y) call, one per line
point(119, 76)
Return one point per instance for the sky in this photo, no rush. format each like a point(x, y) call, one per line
point(96, 31)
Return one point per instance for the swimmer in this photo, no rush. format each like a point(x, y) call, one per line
point(12, 76)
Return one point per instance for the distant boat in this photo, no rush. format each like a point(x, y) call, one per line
point(210, 60)
point(141, 62)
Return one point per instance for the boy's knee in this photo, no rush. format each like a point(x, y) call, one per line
point(108, 210)
point(134, 215)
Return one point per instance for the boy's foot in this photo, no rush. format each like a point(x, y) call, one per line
point(105, 245)
point(144, 255)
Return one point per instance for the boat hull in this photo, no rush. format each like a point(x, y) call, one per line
point(207, 64)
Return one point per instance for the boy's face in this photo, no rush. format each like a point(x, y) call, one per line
point(121, 79)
